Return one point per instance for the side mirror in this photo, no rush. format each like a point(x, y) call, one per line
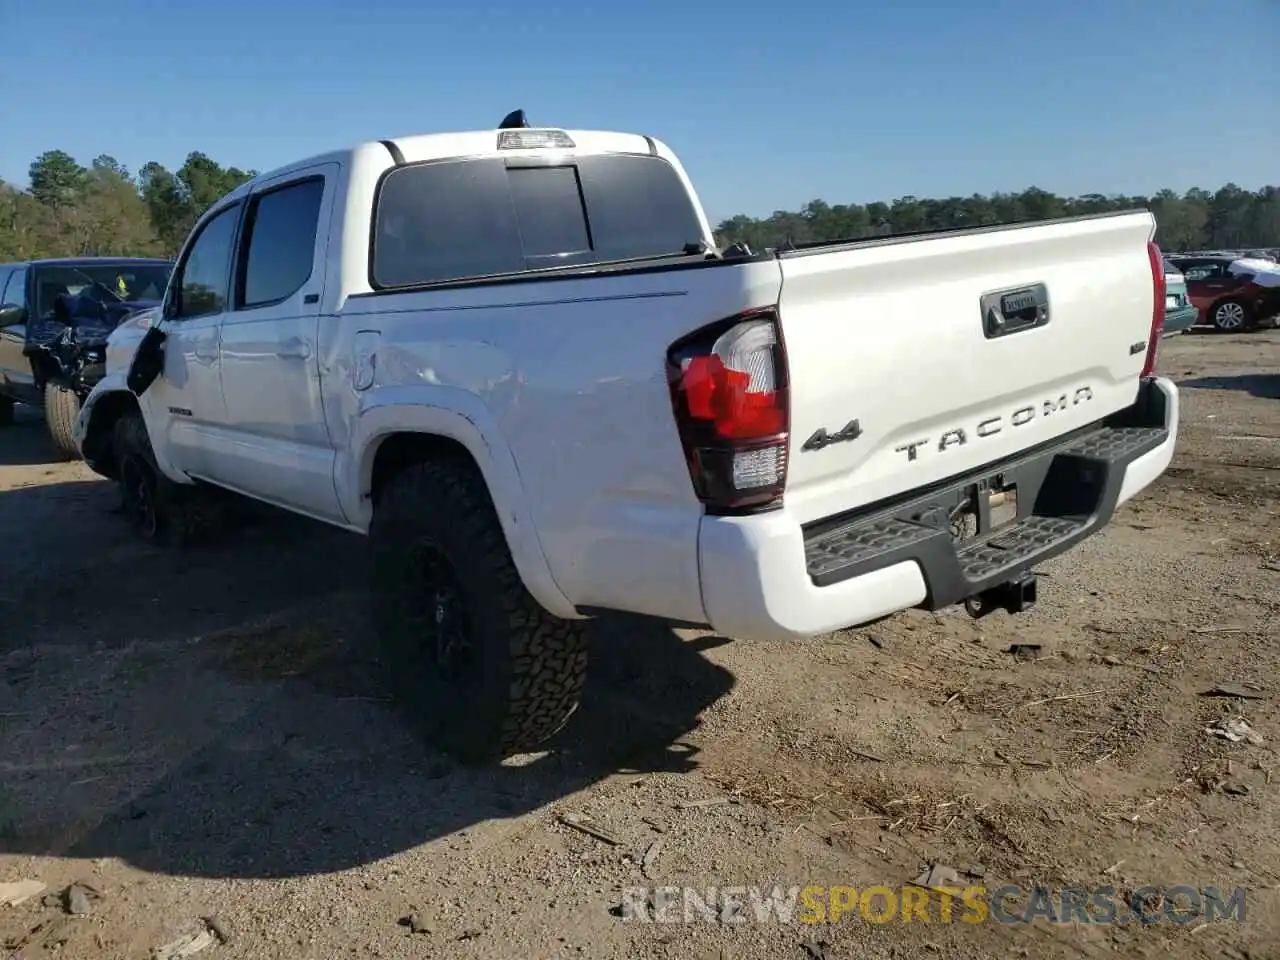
point(148, 362)
point(12, 314)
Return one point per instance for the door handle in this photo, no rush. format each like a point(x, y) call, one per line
point(206, 351)
point(294, 349)
point(1011, 311)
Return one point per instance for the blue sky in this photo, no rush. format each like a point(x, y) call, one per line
point(769, 104)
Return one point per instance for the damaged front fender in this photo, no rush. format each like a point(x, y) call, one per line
point(110, 397)
point(95, 424)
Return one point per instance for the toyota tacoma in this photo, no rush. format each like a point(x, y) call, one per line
point(516, 361)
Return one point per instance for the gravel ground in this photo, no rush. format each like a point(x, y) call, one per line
point(205, 734)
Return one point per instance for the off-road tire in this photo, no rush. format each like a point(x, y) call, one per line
point(61, 407)
point(530, 665)
point(1245, 315)
point(181, 518)
point(6, 412)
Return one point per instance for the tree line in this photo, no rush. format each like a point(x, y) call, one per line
point(1230, 218)
point(106, 210)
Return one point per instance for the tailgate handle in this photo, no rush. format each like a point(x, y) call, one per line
point(1012, 311)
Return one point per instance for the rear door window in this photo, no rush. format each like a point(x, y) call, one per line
point(280, 237)
point(468, 219)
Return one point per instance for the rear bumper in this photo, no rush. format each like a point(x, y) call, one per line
point(1181, 319)
point(768, 577)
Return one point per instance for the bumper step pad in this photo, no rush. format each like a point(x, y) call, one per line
point(1065, 491)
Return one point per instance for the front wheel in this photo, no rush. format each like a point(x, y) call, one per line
point(1230, 316)
point(159, 510)
point(61, 407)
point(488, 670)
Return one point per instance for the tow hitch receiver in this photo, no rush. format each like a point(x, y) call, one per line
point(1014, 596)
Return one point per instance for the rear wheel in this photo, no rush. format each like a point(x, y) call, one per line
point(1230, 316)
point(489, 672)
point(6, 412)
point(159, 510)
point(61, 407)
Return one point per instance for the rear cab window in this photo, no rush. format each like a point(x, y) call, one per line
point(456, 220)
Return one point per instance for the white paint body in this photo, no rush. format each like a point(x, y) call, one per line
point(557, 388)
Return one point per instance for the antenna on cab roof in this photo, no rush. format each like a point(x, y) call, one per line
point(514, 120)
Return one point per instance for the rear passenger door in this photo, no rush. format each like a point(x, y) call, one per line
point(278, 445)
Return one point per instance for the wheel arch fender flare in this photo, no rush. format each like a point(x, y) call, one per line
point(110, 399)
point(458, 416)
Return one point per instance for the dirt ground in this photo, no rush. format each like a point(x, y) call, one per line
point(206, 734)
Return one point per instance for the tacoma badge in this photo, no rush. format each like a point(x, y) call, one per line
point(959, 436)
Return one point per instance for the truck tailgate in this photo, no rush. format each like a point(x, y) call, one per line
point(954, 350)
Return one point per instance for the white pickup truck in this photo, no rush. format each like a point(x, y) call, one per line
point(516, 360)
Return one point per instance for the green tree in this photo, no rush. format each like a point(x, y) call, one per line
point(111, 219)
point(56, 179)
point(175, 201)
point(1228, 218)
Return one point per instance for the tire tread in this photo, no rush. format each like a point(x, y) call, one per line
point(183, 519)
point(545, 656)
point(61, 407)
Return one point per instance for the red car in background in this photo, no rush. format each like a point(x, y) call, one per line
point(1231, 293)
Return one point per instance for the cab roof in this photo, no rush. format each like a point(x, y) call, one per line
point(417, 148)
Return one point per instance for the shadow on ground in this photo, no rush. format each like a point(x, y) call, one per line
point(26, 442)
point(222, 713)
point(1264, 385)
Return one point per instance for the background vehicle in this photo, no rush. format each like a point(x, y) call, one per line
point(1180, 314)
point(516, 361)
point(55, 316)
point(1231, 294)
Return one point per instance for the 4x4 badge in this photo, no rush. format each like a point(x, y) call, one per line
point(850, 431)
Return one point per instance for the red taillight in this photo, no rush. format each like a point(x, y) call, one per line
point(1157, 309)
point(729, 394)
